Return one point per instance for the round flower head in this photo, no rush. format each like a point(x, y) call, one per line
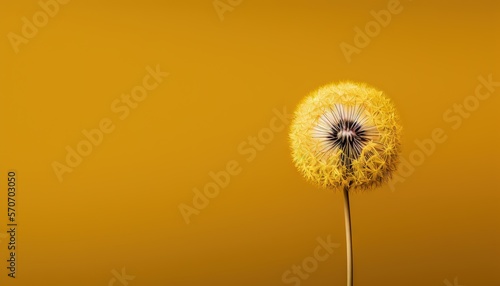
point(346, 135)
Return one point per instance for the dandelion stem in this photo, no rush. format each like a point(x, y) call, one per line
point(348, 236)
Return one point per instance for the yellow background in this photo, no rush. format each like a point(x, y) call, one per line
point(119, 208)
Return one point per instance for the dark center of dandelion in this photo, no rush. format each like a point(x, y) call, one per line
point(344, 129)
point(346, 135)
point(350, 137)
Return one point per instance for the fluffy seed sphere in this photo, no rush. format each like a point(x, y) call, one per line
point(346, 135)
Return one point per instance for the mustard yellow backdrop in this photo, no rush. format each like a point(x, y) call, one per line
point(150, 142)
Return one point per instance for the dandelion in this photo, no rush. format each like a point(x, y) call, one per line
point(346, 136)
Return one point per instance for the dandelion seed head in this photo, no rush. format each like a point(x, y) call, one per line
point(346, 135)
